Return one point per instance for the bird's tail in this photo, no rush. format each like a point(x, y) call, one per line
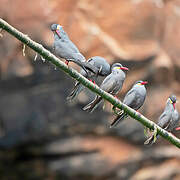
point(92, 105)
point(75, 92)
point(118, 119)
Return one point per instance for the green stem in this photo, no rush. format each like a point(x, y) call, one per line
point(74, 74)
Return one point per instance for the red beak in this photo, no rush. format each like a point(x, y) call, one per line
point(124, 68)
point(57, 32)
point(178, 128)
point(174, 105)
point(144, 82)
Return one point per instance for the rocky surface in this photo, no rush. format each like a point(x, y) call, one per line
point(44, 137)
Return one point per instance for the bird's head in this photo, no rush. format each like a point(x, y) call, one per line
point(119, 66)
point(57, 29)
point(141, 83)
point(172, 99)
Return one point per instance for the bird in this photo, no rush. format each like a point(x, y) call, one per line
point(134, 98)
point(103, 70)
point(66, 49)
point(165, 119)
point(111, 84)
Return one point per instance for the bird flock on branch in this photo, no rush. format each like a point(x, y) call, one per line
point(114, 77)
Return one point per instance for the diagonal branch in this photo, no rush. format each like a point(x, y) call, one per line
point(74, 74)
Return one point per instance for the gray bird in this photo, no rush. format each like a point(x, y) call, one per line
point(165, 120)
point(66, 49)
point(111, 84)
point(134, 98)
point(103, 70)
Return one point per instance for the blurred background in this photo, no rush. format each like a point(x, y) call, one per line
point(44, 137)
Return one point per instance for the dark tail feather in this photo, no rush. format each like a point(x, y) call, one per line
point(91, 68)
point(75, 92)
point(92, 105)
point(118, 119)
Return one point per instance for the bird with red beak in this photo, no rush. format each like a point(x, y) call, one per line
point(112, 84)
point(66, 49)
point(166, 120)
point(134, 98)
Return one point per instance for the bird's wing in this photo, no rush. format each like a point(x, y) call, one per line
point(101, 64)
point(72, 46)
point(174, 121)
point(130, 97)
point(63, 50)
point(109, 83)
point(164, 120)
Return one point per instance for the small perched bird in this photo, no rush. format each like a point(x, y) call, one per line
point(103, 70)
point(66, 49)
point(134, 98)
point(111, 84)
point(166, 120)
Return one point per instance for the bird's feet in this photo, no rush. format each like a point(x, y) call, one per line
point(93, 81)
point(66, 62)
point(115, 111)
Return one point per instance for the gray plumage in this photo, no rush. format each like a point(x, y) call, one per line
point(101, 64)
point(103, 70)
point(134, 98)
point(174, 121)
point(66, 49)
point(165, 119)
point(111, 84)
